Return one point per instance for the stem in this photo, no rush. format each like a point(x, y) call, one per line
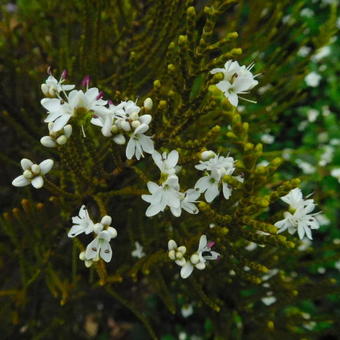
point(55, 190)
point(139, 315)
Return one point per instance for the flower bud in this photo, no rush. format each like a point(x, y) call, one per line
point(44, 89)
point(134, 115)
point(125, 126)
point(61, 140)
point(182, 249)
point(172, 254)
point(35, 168)
point(28, 174)
point(135, 124)
point(200, 266)
point(112, 232)
point(179, 255)
point(148, 104)
point(97, 228)
point(206, 155)
point(114, 129)
point(106, 220)
point(88, 263)
point(194, 258)
point(82, 256)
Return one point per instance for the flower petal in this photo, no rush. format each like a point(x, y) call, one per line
point(20, 181)
point(46, 166)
point(26, 163)
point(186, 270)
point(37, 182)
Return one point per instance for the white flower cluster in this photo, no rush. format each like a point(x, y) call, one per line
point(167, 194)
point(237, 80)
point(100, 246)
point(300, 218)
point(197, 260)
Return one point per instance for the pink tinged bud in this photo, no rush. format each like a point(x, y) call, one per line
point(100, 95)
point(110, 102)
point(211, 244)
point(64, 75)
point(86, 81)
point(49, 70)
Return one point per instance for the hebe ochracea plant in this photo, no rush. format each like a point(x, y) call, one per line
point(152, 173)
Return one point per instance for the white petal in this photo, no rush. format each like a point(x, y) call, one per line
point(92, 249)
point(20, 181)
point(172, 244)
point(130, 148)
point(106, 251)
point(76, 230)
point(301, 232)
point(61, 122)
point(211, 193)
point(141, 129)
point(26, 163)
point(186, 270)
point(172, 159)
point(153, 210)
point(37, 182)
point(152, 187)
point(233, 99)
point(119, 139)
point(46, 166)
point(226, 191)
point(147, 144)
point(145, 119)
point(176, 211)
point(202, 243)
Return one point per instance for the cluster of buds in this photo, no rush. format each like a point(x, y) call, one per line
point(56, 138)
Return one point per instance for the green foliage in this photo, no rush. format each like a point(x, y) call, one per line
point(165, 50)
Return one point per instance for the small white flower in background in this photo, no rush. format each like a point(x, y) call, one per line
point(267, 138)
point(307, 12)
point(56, 138)
point(337, 265)
point(166, 162)
point(270, 274)
point(327, 155)
point(199, 258)
point(323, 219)
point(336, 173)
point(33, 173)
point(312, 114)
point(300, 219)
point(138, 251)
point(82, 257)
point(304, 244)
point(263, 163)
point(302, 125)
point(187, 310)
point(251, 246)
point(263, 89)
point(162, 196)
point(176, 253)
point(139, 142)
point(237, 80)
point(322, 53)
point(218, 166)
point(82, 223)
point(100, 246)
point(269, 300)
point(313, 79)
point(306, 167)
point(287, 154)
point(323, 137)
point(309, 325)
point(334, 141)
point(183, 336)
point(52, 87)
point(304, 51)
point(148, 104)
point(321, 270)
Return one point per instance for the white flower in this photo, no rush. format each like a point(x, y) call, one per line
point(187, 310)
point(304, 51)
point(139, 142)
point(166, 162)
point(82, 223)
point(268, 300)
point(138, 252)
point(218, 166)
point(78, 104)
point(322, 53)
point(312, 114)
point(82, 257)
point(267, 138)
point(56, 138)
point(100, 246)
point(313, 79)
point(299, 221)
point(295, 200)
point(52, 87)
point(306, 167)
point(33, 173)
point(327, 155)
point(237, 80)
point(199, 258)
point(176, 253)
point(307, 12)
point(336, 173)
point(162, 196)
point(187, 201)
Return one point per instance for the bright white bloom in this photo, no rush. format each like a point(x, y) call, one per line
point(295, 200)
point(33, 173)
point(176, 253)
point(138, 252)
point(77, 104)
point(237, 80)
point(139, 142)
point(187, 202)
point(322, 53)
point(218, 166)
point(56, 138)
point(166, 162)
point(199, 258)
point(52, 87)
point(269, 300)
point(162, 196)
point(82, 223)
point(313, 79)
point(306, 167)
point(336, 173)
point(312, 114)
point(100, 246)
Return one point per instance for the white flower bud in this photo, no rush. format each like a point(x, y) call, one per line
point(206, 155)
point(119, 139)
point(82, 256)
point(61, 140)
point(88, 263)
point(112, 232)
point(97, 228)
point(182, 249)
point(48, 142)
point(172, 254)
point(28, 174)
point(35, 168)
point(134, 115)
point(44, 89)
point(194, 258)
point(106, 220)
point(114, 129)
point(125, 126)
point(172, 244)
point(148, 104)
point(52, 91)
point(135, 124)
point(68, 130)
point(200, 265)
